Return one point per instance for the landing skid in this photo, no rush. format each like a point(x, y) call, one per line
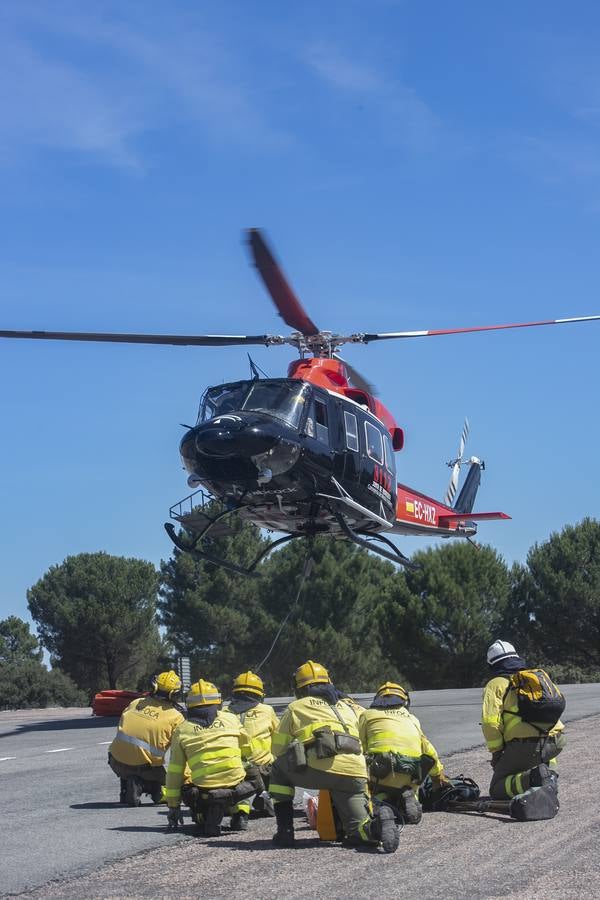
point(193, 548)
point(395, 556)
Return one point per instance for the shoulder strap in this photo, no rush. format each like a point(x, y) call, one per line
point(337, 714)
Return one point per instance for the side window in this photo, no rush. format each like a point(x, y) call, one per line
point(389, 453)
point(374, 443)
point(321, 422)
point(351, 431)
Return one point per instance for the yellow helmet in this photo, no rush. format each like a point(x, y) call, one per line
point(311, 673)
point(202, 693)
point(391, 689)
point(250, 684)
point(167, 683)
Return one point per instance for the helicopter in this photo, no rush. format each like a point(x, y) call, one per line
point(309, 454)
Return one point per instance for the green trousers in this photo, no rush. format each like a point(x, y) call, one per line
point(348, 794)
point(511, 772)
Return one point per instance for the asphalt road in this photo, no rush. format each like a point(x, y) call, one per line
point(58, 798)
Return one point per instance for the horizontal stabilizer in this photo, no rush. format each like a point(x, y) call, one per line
point(448, 518)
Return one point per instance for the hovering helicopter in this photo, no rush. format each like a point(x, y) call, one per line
point(309, 454)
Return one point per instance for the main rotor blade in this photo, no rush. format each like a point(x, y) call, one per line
point(290, 309)
point(367, 338)
point(198, 340)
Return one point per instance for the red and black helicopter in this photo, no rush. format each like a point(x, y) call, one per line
point(309, 454)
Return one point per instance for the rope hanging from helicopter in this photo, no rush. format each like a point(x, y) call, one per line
point(304, 575)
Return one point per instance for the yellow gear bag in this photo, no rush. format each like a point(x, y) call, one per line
point(325, 817)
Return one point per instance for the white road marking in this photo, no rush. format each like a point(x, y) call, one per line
point(101, 743)
point(60, 750)
point(4, 758)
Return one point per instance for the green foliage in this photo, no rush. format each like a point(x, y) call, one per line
point(449, 611)
point(96, 614)
point(556, 599)
point(24, 681)
point(227, 623)
point(17, 642)
point(339, 617)
point(211, 615)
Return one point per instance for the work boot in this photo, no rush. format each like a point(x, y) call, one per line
point(284, 814)
point(133, 791)
point(262, 805)
point(541, 775)
point(383, 828)
point(410, 807)
point(157, 793)
point(239, 821)
point(213, 816)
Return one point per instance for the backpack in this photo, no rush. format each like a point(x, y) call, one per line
point(539, 701)
point(460, 788)
point(535, 804)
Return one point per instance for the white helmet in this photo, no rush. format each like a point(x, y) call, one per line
point(500, 650)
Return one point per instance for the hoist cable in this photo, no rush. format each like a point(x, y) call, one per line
point(306, 570)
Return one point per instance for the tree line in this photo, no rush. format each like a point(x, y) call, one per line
point(110, 622)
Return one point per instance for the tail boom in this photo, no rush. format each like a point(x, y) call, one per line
point(418, 514)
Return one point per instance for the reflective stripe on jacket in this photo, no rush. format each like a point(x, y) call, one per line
point(300, 721)
point(145, 731)
point(259, 723)
point(500, 721)
point(213, 754)
point(395, 730)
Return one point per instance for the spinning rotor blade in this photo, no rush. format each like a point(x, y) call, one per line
point(367, 338)
point(290, 309)
point(453, 484)
point(358, 380)
point(198, 340)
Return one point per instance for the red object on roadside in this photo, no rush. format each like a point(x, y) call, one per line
point(112, 703)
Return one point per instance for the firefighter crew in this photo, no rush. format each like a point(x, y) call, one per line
point(317, 745)
point(522, 756)
point(399, 756)
point(259, 721)
point(211, 746)
point(137, 754)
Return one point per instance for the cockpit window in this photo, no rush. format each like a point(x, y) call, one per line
point(281, 398)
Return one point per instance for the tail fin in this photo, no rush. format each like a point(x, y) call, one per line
point(466, 499)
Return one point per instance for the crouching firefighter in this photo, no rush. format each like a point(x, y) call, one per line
point(137, 754)
point(317, 746)
point(207, 753)
point(521, 724)
point(259, 721)
point(399, 756)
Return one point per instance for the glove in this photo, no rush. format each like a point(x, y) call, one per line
point(495, 758)
point(440, 781)
point(174, 818)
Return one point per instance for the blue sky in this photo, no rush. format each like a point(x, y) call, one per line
point(415, 165)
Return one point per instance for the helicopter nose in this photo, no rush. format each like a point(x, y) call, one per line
point(233, 438)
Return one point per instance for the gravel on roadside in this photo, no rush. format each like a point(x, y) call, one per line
point(446, 856)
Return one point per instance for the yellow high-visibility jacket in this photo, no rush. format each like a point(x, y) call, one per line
point(259, 722)
point(303, 717)
point(395, 730)
point(213, 754)
point(500, 721)
point(145, 731)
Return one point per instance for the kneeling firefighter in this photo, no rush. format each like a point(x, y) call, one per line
point(259, 721)
point(521, 724)
point(317, 745)
point(399, 756)
point(144, 735)
point(210, 746)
